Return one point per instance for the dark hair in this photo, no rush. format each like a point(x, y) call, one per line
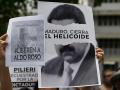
point(24, 88)
point(115, 78)
point(66, 48)
point(67, 12)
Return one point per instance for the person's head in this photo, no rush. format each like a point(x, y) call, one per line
point(107, 75)
point(24, 88)
point(116, 80)
point(25, 34)
point(27, 38)
point(67, 52)
point(66, 14)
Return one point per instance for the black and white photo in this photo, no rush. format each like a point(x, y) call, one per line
point(26, 37)
point(69, 46)
point(66, 14)
point(75, 65)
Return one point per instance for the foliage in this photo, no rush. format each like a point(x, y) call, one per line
point(10, 9)
point(65, 1)
point(97, 2)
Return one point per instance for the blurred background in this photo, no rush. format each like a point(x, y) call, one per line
point(15, 8)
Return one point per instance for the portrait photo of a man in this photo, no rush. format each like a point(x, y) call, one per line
point(28, 39)
point(74, 66)
point(72, 63)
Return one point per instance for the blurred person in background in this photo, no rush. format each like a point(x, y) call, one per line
point(108, 70)
point(107, 75)
point(116, 80)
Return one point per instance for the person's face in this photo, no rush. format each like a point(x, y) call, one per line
point(28, 35)
point(63, 22)
point(72, 56)
point(31, 36)
point(107, 76)
point(69, 56)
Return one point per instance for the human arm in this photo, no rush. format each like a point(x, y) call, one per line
point(4, 71)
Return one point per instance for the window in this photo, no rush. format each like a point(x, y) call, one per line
point(111, 1)
point(108, 20)
point(111, 47)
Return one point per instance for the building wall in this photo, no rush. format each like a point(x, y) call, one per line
point(107, 28)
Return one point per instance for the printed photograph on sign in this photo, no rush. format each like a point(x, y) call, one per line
point(70, 44)
point(26, 41)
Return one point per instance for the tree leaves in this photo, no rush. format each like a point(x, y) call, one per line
point(10, 9)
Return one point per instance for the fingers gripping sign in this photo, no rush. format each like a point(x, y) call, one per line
point(3, 45)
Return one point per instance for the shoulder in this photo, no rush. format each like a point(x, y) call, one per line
point(53, 66)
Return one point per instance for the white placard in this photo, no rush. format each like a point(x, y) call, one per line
point(69, 42)
point(25, 41)
point(23, 77)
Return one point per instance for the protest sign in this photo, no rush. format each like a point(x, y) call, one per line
point(69, 46)
point(25, 41)
point(23, 77)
